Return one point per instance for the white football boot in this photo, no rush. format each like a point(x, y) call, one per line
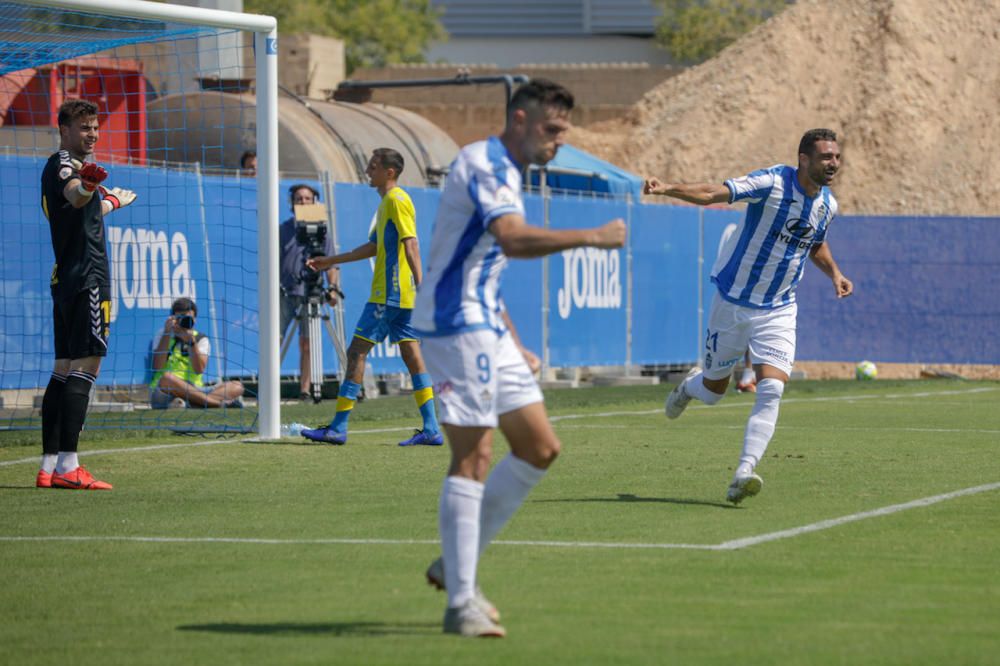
point(469, 620)
point(435, 577)
point(743, 487)
point(678, 399)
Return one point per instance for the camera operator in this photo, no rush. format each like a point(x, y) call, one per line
point(299, 243)
point(180, 355)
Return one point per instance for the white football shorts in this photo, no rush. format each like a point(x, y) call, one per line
point(478, 376)
point(769, 334)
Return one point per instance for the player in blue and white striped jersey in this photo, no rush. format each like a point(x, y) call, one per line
point(481, 372)
point(788, 214)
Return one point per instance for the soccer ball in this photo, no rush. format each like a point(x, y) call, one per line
point(865, 370)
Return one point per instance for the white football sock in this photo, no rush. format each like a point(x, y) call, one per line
point(507, 486)
point(747, 376)
point(760, 425)
point(67, 462)
point(694, 387)
point(458, 521)
point(49, 462)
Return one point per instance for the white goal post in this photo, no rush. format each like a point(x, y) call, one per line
point(266, 57)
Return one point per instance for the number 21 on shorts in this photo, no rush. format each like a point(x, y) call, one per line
point(711, 340)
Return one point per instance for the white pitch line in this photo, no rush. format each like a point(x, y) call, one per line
point(627, 426)
point(554, 419)
point(854, 517)
point(784, 401)
point(134, 449)
point(352, 542)
point(237, 540)
point(735, 544)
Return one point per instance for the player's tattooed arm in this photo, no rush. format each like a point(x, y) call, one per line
point(521, 240)
point(702, 194)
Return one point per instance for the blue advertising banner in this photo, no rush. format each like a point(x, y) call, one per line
point(665, 272)
point(157, 252)
point(925, 292)
point(587, 300)
point(925, 287)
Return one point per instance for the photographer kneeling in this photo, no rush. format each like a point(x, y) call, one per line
point(180, 355)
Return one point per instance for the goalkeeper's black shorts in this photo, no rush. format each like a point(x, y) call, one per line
point(83, 324)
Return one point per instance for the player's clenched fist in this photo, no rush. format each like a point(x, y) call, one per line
point(91, 175)
point(610, 235)
point(653, 186)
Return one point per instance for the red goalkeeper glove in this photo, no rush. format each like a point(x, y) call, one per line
point(116, 196)
point(91, 175)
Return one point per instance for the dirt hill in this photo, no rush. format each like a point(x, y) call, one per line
point(911, 86)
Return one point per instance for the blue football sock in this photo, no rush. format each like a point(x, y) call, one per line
point(423, 393)
point(345, 403)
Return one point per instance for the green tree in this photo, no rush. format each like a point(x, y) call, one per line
point(695, 30)
point(375, 32)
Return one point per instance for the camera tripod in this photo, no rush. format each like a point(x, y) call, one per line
point(318, 313)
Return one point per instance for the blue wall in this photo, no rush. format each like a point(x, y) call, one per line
point(926, 287)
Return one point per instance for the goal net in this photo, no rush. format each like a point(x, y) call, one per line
point(182, 94)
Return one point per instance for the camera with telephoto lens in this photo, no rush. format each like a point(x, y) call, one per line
point(185, 321)
point(311, 234)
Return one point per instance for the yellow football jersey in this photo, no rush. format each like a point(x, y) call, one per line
point(396, 220)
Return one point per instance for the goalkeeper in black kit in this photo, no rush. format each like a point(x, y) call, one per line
point(75, 202)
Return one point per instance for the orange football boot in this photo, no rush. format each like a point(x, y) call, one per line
point(78, 479)
point(44, 479)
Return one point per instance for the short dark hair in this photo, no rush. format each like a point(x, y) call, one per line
point(808, 143)
point(72, 109)
point(389, 159)
point(183, 304)
point(540, 92)
point(302, 186)
point(245, 156)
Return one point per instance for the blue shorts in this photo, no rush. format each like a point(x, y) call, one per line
point(378, 321)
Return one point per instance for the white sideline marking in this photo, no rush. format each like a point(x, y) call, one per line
point(735, 544)
point(623, 426)
point(554, 419)
point(134, 449)
point(854, 517)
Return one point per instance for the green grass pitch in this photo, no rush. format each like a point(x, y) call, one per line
point(915, 586)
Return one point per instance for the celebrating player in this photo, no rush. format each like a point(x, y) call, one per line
point(75, 203)
point(756, 272)
point(393, 243)
point(481, 371)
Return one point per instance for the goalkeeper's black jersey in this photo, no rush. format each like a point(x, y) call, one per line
point(78, 238)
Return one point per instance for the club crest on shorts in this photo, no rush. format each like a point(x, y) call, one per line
point(708, 361)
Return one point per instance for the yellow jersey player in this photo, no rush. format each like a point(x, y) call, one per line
point(394, 245)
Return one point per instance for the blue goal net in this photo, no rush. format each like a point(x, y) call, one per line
point(176, 111)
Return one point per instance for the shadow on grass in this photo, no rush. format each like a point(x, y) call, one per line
point(318, 628)
point(627, 497)
point(28, 487)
